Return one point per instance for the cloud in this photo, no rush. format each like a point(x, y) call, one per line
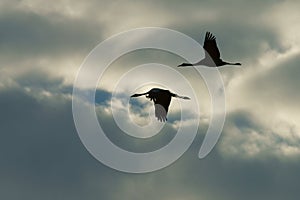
point(247, 137)
point(42, 153)
point(270, 93)
point(42, 46)
point(278, 84)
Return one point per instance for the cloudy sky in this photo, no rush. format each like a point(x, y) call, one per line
point(42, 46)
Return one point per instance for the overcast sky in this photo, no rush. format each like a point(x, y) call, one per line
point(43, 44)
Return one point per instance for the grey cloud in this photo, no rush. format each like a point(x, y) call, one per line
point(278, 84)
point(42, 157)
point(39, 78)
point(271, 94)
point(25, 32)
point(247, 137)
point(26, 35)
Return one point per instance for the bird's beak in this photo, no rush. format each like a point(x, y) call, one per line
point(179, 66)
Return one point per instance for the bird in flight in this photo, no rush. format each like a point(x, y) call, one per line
point(162, 100)
point(212, 54)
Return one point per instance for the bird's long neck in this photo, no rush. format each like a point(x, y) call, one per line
point(141, 94)
point(187, 64)
point(227, 63)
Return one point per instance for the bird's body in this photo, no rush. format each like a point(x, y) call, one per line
point(212, 54)
point(162, 99)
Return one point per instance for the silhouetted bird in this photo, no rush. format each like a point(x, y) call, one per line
point(212, 54)
point(161, 99)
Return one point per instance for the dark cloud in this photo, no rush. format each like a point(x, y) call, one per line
point(39, 79)
point(29, 36)
point(42, 157)
point(279, 84)
point(243, 120)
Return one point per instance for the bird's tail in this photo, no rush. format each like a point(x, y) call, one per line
point(182, 97)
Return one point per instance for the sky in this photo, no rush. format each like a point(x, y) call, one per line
point(42, 46)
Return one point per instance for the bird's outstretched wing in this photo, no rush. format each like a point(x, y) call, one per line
point(161, 104)
point(210, 46)
point(160, 113)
